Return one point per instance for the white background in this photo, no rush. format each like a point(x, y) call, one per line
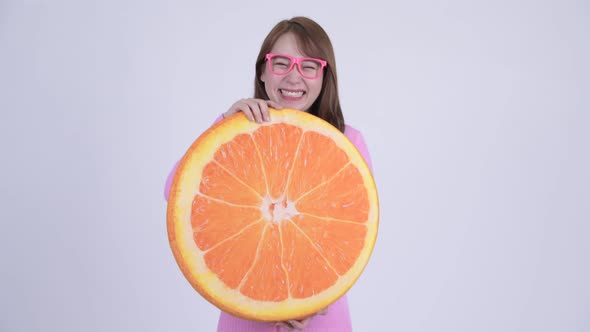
point(476, 114)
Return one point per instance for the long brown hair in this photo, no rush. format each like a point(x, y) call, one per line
point(314, 42)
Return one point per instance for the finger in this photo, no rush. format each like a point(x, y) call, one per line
point(255, 109)
point(264, 112)
point(248, 113)
point(297, 324)
point(306, 321)
point(285, 325)
point(274, 105)
point(241, 106)
point(232, 110)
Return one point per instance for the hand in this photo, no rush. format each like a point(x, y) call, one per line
point(254, 109)
point(300, 324)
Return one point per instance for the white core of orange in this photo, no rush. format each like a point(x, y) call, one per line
point(277, 210)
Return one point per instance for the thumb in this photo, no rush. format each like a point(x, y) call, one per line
point(274, 105)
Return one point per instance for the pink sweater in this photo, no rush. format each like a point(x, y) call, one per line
point(338, 317)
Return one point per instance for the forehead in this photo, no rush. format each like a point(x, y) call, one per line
point(287, 44)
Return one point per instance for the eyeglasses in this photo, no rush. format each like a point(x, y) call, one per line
point(281, 64)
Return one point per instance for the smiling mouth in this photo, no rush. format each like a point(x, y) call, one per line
point(292, 94)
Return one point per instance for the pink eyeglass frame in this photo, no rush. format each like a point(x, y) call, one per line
point(294, 61)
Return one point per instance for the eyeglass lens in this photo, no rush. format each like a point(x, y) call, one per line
point(308, 68)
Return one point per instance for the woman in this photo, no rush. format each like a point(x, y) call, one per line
point(295, 69)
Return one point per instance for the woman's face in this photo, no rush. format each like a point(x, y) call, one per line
point(290, 90)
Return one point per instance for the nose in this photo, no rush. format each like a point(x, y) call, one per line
point(295, 73)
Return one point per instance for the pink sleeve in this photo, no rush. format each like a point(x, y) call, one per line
point(173, 171)
point(357, 139)
point(169, 180)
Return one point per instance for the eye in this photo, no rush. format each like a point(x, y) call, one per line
point(310, 65)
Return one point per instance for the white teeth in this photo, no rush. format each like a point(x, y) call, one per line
point(292, 93)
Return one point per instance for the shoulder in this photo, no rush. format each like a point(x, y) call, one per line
point(352, 133)
point(357, 139)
